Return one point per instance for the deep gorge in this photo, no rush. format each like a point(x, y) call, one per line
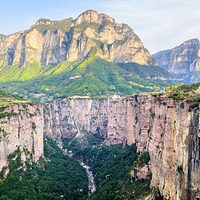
point(160, 125)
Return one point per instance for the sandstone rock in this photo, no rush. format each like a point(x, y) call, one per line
point(51, 42)
point(23, 130)
point(156, 124)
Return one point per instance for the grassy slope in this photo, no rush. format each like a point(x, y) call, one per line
point(7, 99)
point(91, 76)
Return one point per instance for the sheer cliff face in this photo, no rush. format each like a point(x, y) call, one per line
point(181, 59)
point(23, 128)
point(156, 124)
point(51, 42)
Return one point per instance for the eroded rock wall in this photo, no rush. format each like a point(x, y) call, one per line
point(51, 42)
point(159, 125)
point(22, 127)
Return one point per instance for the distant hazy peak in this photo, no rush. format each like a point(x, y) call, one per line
point(180, 59)
point(2, 35)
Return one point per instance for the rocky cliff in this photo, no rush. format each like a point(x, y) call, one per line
point(159, 125)
point(183, 59)
point(21, 126)
point(51, 42)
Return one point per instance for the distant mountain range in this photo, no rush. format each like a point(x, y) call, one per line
point(91, 55)
point(182, 61)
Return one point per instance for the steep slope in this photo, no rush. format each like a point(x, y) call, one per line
point(51, 42)
point(92, 77)
point(168, 128)
point(21, 126)
point(183, 60)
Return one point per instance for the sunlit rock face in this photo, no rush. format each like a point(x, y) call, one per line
point(158, 125)
point(51, 42)
point(181, 59)
point(22, 129)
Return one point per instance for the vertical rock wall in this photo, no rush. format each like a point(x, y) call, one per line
point(22, 127)
point(160, 125)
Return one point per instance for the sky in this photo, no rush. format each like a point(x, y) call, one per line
point(160, 24)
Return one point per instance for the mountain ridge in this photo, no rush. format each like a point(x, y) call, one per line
point(91, 76)
point(51, 42)
point(183, 61)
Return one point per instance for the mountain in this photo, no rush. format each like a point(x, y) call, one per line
point(183, 61)
point(91, 76)
point(1, 37)
point(51, 42)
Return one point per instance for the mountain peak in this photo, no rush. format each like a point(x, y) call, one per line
point(43, 21)
point(92, 16)
point(50, 42)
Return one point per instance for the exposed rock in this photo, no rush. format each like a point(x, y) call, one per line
point(183, 60)
point(156, 124)
point(51, 42)
point(23, 129)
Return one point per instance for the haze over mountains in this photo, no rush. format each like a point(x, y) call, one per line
point(182, 61)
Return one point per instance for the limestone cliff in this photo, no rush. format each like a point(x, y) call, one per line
point(183, 59)
point(51, 42)
point(21, 126)
point(159, 125)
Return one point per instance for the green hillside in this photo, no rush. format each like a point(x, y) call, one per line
point(92, 77)
point(8, 100)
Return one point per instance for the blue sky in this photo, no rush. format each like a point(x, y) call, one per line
point(161, 24)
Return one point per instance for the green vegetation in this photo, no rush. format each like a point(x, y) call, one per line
point(54, 177)
point(188, 92)
point(142, 160)
point(9, 100)
point(111, 166)
point(46, 24)
point(144, 71)
point(92, 77)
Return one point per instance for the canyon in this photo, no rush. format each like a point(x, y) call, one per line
point(157, 124)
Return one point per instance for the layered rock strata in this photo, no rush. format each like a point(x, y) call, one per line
point(182, 59)
point(159, 125)
point(51, 42)
point(23, 127)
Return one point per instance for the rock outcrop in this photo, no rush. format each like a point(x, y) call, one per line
point(183, 59)
point(23, 127)
point(51, 42)
point(159, 125)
